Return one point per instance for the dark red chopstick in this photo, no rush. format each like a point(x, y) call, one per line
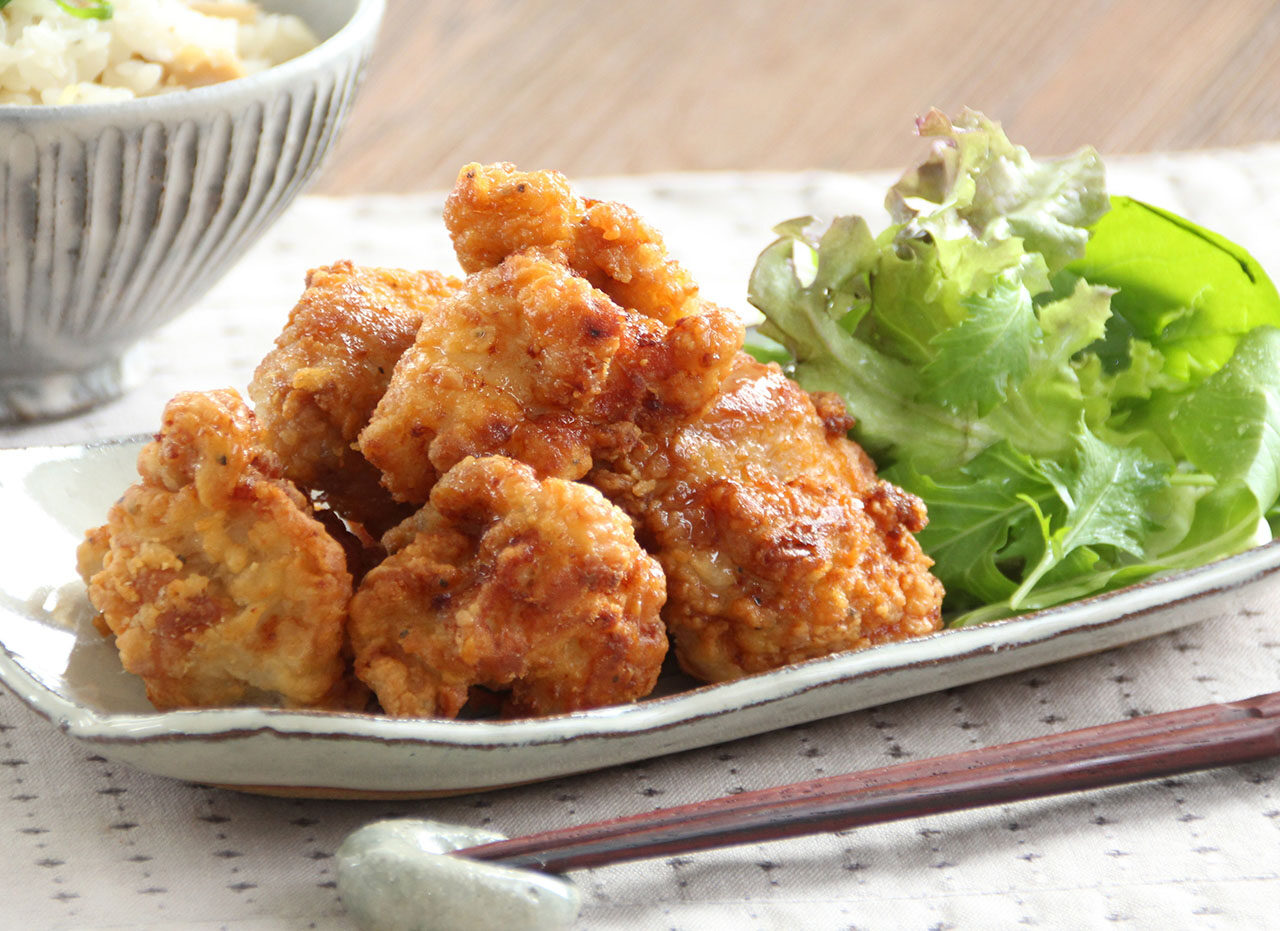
point(1110, 754)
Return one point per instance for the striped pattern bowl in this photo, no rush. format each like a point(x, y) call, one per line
point(115, 218)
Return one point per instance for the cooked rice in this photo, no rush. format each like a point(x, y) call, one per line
point(147, 47)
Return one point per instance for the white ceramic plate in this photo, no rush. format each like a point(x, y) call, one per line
point(54, 660)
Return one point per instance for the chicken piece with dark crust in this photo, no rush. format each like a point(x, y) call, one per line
point(778, 541)
point(533, 357)
point(497, 210)
point(216, 580)
point(528, 360)
point(315, 391)
point(510, 583)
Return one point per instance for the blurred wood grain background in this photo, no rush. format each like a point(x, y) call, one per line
point(597, 87)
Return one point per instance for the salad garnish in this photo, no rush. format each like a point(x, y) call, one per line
point(1084, 389)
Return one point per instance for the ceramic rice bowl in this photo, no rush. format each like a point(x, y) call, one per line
point(116, 217)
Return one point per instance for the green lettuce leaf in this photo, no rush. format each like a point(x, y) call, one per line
point(975, 360)
point(974, 512)
point(1229, 426)
point(1184, 289)
point(976, 178)
point(1108, 492)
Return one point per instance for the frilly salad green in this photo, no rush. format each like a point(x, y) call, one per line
point(1083, 389)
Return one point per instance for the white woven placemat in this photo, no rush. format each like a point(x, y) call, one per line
point(91, 844)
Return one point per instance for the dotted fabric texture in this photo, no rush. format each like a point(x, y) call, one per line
point(88, 843)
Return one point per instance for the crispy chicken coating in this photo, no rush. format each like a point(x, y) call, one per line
point(317, 388)
point(778, 541)
point(508, 582)
point(216, 580)
point(533, 357)
point(496, 210)
point(528, 360)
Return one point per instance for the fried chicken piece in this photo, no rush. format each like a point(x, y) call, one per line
point(216, 580)
point(528, 360)
point(778, 541)
point(533, 358)
point(508, 582)
point(496, 210)
point(331, 365)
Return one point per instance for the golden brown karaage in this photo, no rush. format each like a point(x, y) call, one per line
point(576, 353)
point(507, 582)
point(497, 210)
point(528, 360)
point(216, 580)
point(778, 541)
point(317, 388)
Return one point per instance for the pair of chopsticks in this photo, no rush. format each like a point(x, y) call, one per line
point(1110, 754)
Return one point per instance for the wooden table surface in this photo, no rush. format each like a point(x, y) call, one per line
point(624, 86)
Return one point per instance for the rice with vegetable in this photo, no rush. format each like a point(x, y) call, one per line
point(58, 52)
